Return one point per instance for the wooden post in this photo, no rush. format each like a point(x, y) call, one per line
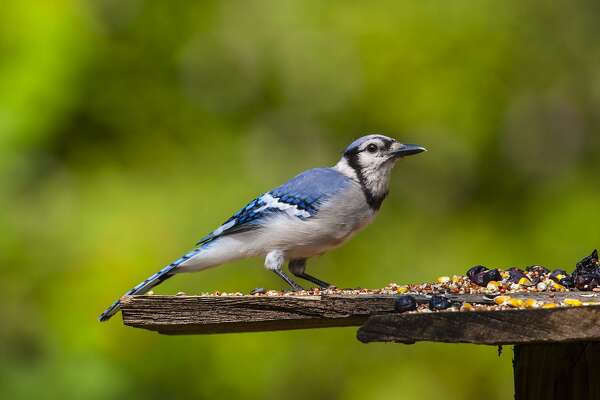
point(557, 371)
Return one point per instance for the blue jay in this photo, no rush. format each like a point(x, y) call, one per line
point(308, 215)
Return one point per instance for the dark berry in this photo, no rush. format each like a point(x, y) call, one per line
point(567, 282)
point(515, 275)
point(558, 274)
point(491, 275)
point(405, 303)
point(588, 263)
point(587, 272)
point(476, 275)
point(439, 303)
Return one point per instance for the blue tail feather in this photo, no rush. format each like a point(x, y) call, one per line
point(148, 284)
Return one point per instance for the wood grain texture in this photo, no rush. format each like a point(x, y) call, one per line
point(486, 327)
point(222, 314)
point(210, 314)
point(557, 371)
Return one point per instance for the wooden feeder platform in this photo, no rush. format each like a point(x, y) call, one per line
point(557, 350)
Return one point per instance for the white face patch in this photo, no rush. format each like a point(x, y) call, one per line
point(376, 152)
point(372, 161)
point(376, 166)
point(343, 167)
point(376, 175)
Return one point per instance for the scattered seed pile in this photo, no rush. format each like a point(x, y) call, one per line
point(499, 284)
point(495, 285)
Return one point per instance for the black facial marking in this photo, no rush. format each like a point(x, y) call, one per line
point(387, 143)
point(353, 161)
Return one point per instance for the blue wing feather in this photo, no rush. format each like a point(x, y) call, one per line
point(301, 197)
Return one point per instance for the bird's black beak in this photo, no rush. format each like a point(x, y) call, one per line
point(408, 150)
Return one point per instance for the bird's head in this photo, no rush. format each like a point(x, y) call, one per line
point(370, 159)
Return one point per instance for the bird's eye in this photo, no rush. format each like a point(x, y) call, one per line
point(372, 148)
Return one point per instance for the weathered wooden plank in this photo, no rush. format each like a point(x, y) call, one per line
point(557, 371)
point(210, 314)
point(486, 327)
point(221, 314)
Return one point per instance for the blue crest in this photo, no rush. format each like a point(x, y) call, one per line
point(358, 142)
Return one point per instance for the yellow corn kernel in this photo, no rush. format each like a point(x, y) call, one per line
point(531, 303)
point(467, 307)
point(501, 300)
point(443, 279)
point(504, 274)
point(517, 303)
point(401, 289)
point(558, 287)
point(455, 279)
point(549, 305)
point(559, 277)
point(524, 281)
point(573, 302)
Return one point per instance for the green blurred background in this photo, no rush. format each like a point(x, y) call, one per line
point(129, 129)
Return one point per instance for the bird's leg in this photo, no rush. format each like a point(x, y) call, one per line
point(298, 266)
point(274, 262)
point(289, 280)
